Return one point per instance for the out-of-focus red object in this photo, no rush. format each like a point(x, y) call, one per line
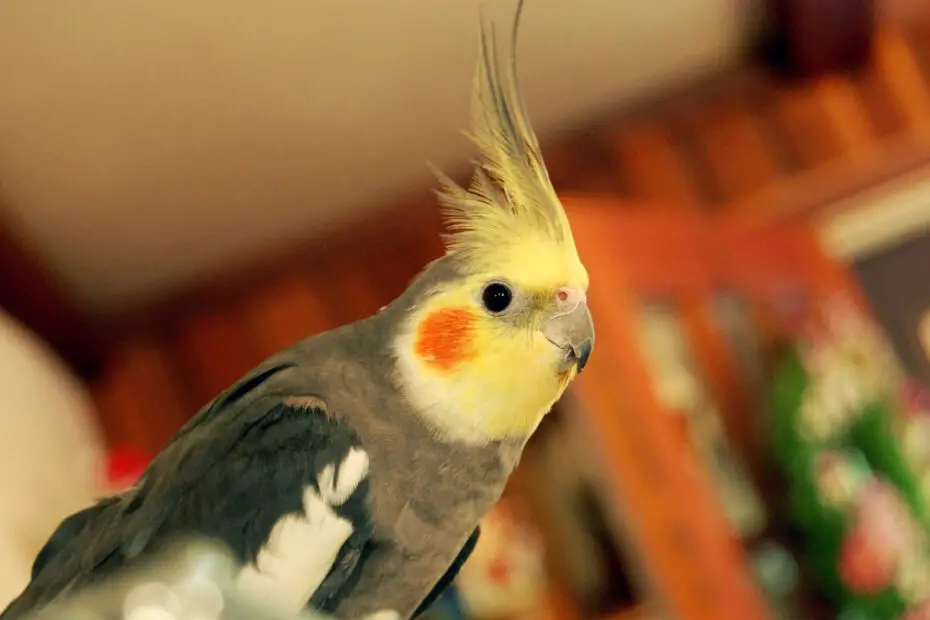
point(921, 612)
point(124, 465)
point(872, 550)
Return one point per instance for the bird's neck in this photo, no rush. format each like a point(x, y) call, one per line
point(470, 404)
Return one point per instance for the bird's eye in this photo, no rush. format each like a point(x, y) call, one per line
point(496, 297)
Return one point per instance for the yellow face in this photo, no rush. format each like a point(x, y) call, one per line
point(486, 356)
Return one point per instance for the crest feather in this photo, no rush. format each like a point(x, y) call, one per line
point(510, 199)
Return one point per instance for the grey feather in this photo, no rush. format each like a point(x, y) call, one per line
point(237, 467)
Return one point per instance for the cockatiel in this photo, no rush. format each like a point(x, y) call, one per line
point(350, 471)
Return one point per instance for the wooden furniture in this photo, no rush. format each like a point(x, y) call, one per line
point(655, 274)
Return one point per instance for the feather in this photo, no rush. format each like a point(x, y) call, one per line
point(511, 199)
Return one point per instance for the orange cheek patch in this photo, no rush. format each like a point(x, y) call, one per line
point(443, 337)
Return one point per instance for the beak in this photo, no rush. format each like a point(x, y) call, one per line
point(573, 332)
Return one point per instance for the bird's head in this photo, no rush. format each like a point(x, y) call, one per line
point(484, 354)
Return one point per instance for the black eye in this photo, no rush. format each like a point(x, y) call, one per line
point(496, 297)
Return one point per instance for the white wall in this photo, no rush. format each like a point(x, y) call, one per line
point(147, 142)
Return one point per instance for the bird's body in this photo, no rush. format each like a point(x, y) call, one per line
point(350, 471)
point(314, 392)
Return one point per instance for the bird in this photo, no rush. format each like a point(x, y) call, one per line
point(349, 472)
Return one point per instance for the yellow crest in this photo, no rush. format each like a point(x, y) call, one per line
point(510, 215)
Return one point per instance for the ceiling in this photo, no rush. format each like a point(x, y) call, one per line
point(146, 144)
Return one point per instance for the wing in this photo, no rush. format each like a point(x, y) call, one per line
point(268, 472)
point(189, 576)
point(451, 573)
point(70, 527)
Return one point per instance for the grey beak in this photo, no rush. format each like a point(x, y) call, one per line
point(573, 332)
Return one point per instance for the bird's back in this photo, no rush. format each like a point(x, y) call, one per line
point(95, 543)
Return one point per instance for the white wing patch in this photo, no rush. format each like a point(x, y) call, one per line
point(301, 548)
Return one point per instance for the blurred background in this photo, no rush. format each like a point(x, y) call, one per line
point(186, 188)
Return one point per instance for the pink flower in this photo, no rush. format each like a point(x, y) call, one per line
point(877, 539)
point(914, 396)
point(919, 612)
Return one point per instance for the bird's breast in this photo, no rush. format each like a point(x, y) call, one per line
point(436, 494)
